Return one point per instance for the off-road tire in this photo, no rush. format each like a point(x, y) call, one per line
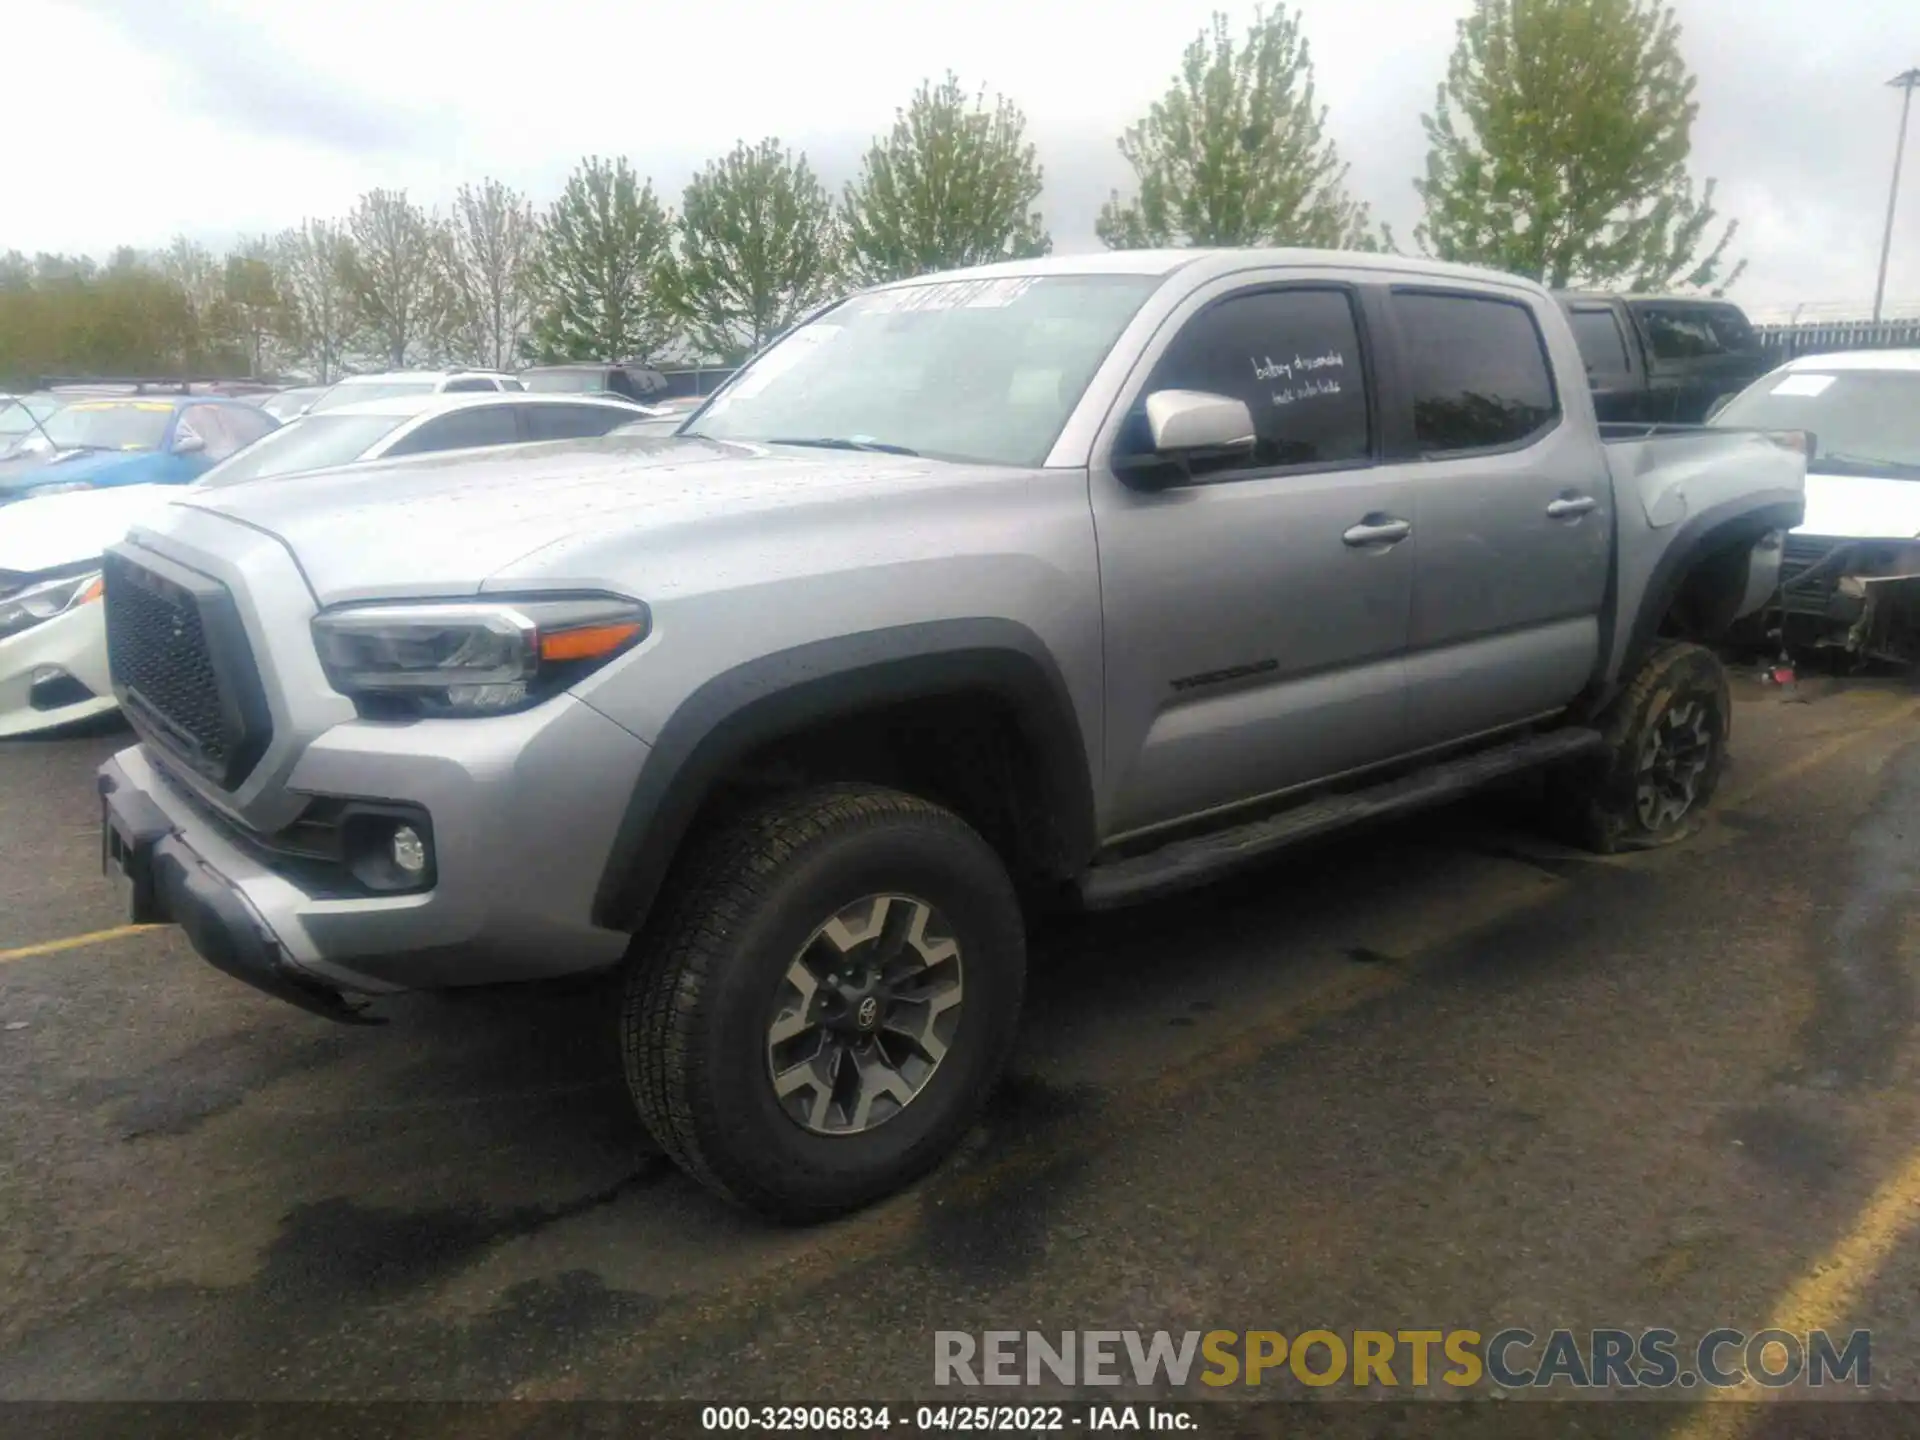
point(703, 975)
point(1596, 802)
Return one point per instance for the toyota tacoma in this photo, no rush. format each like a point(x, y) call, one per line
point(1078, 579)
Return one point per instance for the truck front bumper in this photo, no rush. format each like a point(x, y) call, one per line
point(519, 813)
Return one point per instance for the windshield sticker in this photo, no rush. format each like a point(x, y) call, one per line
point(160, 405)
point(949, 295)
point(1807, 385)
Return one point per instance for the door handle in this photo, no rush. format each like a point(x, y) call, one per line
point(1378, 530)
point(1572, 509)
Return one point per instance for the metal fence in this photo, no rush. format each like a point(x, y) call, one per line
point(1824, 337)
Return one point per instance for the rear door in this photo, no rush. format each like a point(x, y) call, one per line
point(1513, 512)
point(1255, 612)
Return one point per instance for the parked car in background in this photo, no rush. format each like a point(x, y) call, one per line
point(291, 404)
point(1098, 575)
point(53, 647)
point(421, 424)
point(1658, 360)
point(1850, 577)
point(391, 383)
point(94, 444)
point(635, 382)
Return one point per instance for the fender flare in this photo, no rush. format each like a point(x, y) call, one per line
point(746, 707)
point(1734, 523)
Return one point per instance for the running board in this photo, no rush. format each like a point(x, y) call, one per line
point(1182, 863)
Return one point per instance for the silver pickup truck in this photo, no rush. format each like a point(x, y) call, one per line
point(1088, 577)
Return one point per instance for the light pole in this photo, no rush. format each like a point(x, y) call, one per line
point(1908, 82)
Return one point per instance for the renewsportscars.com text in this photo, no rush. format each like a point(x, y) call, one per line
point(1512, 1359)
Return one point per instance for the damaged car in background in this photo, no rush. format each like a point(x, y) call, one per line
point(1850, 574)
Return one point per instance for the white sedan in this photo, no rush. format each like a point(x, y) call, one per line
point(1851, 573)
point(53, 641)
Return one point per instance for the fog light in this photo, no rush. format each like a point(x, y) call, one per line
point(409, 851)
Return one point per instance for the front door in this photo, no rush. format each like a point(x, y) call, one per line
point(1256, 609)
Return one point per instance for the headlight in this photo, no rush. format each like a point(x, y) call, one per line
point(472, 657)
point(66, 488)
point(26, 608)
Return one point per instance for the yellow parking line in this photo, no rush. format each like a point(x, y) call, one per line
point(75, 942)
point(1824, 1297)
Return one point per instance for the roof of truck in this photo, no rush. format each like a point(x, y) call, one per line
point(1208, 263)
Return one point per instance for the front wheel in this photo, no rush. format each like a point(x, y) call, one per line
point(819, 1015)
point(1666, 748)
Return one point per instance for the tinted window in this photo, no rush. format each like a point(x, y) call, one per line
point(1602, 345)
point(1478, 371)
point(482, 425)
point(1294, 357)
point(459, 387)
point(570, 422)
point(1691, 332)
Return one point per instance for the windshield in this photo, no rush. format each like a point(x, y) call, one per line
point(1863, 421)
point(351, 392)
point(312, 442)
point(982, 370)
point(18, 412)
point(109, 425)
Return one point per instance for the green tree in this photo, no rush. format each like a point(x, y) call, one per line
point(954, 183)
point(397, 271)
point(252, 304)
point(1236, 152)
point(758, 249)
point(605, 268)
point(314, 261)
point(1559, 150)
point(493, 233)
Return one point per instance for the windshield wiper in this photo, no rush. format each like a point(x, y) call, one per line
point(1866, 462)
point(832, 442)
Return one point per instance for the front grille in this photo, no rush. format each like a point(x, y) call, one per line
point(182, 668)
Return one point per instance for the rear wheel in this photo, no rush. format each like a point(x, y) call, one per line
point(818, 1016)
point(1666, 748)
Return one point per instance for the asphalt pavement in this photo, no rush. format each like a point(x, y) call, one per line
point(1444, 1074)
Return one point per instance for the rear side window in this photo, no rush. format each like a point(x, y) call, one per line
point(472, 383)
point(461, 429)
point(1602, 345)
point(1294, 357)
point(1477, 369)
point(1693, 332)
point(573, 422)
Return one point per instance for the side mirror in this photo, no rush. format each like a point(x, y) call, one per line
point(1192, 424)
point(188, 444)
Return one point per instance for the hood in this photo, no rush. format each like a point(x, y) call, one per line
point(442, 525)
point(1858, 507)
point(64, 467)
point(54, 530)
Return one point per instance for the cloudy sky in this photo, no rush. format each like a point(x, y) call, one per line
point(134, 120)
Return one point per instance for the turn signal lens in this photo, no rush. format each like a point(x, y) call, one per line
point(589, 643)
